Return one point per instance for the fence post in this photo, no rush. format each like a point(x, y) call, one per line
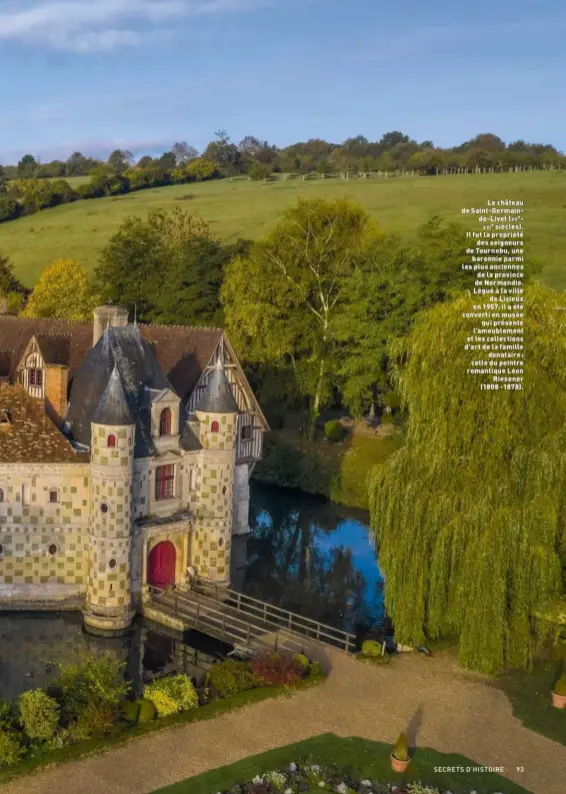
point(248, 637)
point(197, 614)
point(224, 627)
point(238, 606)
point(265, 613)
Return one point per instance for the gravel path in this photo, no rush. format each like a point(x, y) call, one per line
point(449, 710)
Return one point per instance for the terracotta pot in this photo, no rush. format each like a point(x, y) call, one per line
point(559, 701)
point(398, 766)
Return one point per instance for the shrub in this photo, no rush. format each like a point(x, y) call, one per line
point(303, 663)
point(96, 720)
point(9, 209)
point(392, 400)
point(316, 669)
point(387, 419)
point(39, 714)
point(146, 711)
point(10, 748)
point(172, 694)
point(274, 668)
point(276, 422)
point(371, 648)
point(401, 751)
point(335, 431)
point(129, 711)
point(229, 677)
point(88, 683)
point(90, 190)
point(560, 686)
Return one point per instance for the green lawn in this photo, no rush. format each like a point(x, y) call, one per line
point(368, 759)
point(529, 693)
point(249, 209)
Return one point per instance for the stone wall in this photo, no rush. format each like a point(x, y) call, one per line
point(43, 544)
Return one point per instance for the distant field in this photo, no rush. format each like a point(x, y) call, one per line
point(249, 209)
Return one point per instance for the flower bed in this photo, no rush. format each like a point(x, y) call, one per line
point(87, 708)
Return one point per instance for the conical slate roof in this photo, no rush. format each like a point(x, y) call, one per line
point(113, 407)
point(217, 397)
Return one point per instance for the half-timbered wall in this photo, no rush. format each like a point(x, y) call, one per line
point(34, 362)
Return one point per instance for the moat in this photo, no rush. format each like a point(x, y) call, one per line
point(303, 553)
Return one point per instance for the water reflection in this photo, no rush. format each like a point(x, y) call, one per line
point(31, 643)
point(312, 557)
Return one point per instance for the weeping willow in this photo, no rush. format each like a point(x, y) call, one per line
point(469, 514)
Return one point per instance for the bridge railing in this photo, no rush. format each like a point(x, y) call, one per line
point(281, 618)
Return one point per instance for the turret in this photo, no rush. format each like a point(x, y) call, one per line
point(108, 608)
point(217, 412)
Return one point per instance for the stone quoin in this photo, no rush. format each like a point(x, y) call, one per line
point(125, 457)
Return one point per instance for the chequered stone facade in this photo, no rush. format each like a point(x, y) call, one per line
point(110, 526)
point(83, 532)
point(213, 525)
point(43, 543)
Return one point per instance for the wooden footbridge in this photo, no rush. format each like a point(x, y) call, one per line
point(250, 625)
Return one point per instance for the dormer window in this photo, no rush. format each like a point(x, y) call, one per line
point(111, 441)
point(165, 422)
point(214, 427)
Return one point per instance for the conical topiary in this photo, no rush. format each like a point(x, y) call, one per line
point(401, 750)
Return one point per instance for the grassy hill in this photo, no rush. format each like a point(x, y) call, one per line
point(249, 209)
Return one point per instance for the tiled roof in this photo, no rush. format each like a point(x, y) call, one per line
point(181, 351)
point(55, 348)
point(30, 436)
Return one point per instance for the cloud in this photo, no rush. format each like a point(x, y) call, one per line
point(88, 25)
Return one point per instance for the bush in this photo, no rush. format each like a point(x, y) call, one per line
point(335, 431)
point(9, 209)
point(276, 422)
point(371, 648)
point(386, 419)
point(274, 668)
point(392, 400)
point(146, 711)
point(229, 677)
point(172, 694)
point(89, 683)
point(90, 190)
point(401, 751)
point(96, 720)
point(302, 662)
point(560, 686)
point(39, 714)
point(10, 748)
point(129, 711)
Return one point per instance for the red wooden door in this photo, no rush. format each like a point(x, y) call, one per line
point(161, 565)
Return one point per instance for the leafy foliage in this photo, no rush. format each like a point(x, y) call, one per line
point(229, 677)
point(560, 686)
point(172, 694)
point(401, 751)
point(469, 514)
point(275, 668)
point(335, 431)
point(168, 265)
point(63, 291)
point(10, 748)
point(39, 714)
point(87, 684)
point(371, 648)
point(146, 711)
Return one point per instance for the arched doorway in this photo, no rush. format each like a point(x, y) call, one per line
point(161, 565)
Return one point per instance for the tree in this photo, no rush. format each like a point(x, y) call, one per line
point(168, 265)
point(282, 299)
point(8, 281)
point(39, 714)
point(62, 291)
point(183, 153)
point(120, 160)
point(145, 162)
point(470, 514)
point(3, 180)
point(76, 164)
point(27, 167)
point(225, 154)
point(167, 161)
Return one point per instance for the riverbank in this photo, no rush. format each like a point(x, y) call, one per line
point(336, 471)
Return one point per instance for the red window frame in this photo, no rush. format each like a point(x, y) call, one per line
point(165, 482)
point(111, 440)
point(214, 427)
point(165, 422)
point(36, 377)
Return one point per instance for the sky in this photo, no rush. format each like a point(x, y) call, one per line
point(93, 75)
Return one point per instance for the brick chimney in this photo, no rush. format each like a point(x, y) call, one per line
point(107, 317)
point(56, 385)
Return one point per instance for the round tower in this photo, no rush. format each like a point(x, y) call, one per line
point(217, 412)
point(108, 608)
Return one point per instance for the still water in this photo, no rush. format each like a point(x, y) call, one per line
point(303, 554)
